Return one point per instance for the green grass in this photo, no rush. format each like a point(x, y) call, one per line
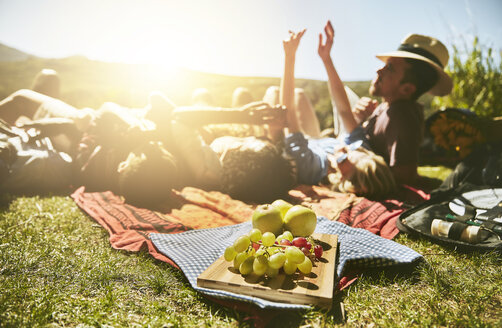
point(57, 269)
point(434, 172)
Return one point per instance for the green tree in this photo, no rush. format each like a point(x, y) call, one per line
point(476, 81)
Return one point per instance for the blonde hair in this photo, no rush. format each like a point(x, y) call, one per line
point(372, 177)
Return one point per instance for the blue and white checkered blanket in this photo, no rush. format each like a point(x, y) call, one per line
point(194, 251)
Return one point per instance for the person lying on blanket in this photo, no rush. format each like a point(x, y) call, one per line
point(350, 165)
point(55, 154)
point(116, 148)
point(249, 168)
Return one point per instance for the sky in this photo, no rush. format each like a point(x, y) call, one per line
point(241, 37)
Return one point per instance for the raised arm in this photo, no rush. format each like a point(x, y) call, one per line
point(287, 92)
point(335, 85)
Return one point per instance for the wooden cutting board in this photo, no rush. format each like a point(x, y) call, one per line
point(315, 288)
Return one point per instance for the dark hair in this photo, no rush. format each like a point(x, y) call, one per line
point(254, 169)
point(421, 74)
point(149, 176)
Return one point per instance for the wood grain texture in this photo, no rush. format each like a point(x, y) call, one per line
point(315, 288)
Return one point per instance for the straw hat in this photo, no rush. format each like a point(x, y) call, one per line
point(429, 50)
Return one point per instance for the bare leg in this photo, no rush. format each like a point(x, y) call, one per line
point(272, 96)
point(202, 97)
point(32, 105)
point(159, 108)
point(21, 103)
point(309, 122)
point(241, 96)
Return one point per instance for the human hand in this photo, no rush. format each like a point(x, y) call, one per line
point(274, 119)
point(262, 113)
point(332, 167)
point(291, 45)
point(324, 49)
point(364, 108)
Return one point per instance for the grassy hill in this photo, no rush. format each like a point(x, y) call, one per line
point(89, 83)
point(8, 54)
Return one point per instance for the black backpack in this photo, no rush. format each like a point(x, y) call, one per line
point(466, 210)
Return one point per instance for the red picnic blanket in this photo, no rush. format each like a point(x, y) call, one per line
point(129, 227)
point(378, 217)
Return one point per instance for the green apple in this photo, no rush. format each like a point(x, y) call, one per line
point(282, 205)
point(267, 218)
point(300, 220)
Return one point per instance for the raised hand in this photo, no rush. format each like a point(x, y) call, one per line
point(291, 45)
point(364, 108)
point(324, 49)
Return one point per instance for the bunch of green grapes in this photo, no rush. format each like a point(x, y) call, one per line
point(266, 254)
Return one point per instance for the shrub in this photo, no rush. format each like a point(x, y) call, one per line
point(476, 81)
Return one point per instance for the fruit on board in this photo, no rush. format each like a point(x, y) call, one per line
point(300, 220)
point(241, 244)
point(277, 260)
point(271, 258)
point(271, 272)
point(282, 206)
point(294, 255)
point(300, 242)
point(306, 266)
point(246, 267)
point(260, 265)
point(276, 244)
point(289, 267)
point(318, 251)
point(255, 235)
point(239, 258)
point(230, 253)
point(288, 235)
point(268, 239)
point(267, 218)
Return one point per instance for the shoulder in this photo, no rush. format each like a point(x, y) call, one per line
point(406, 112)
point(404, 108)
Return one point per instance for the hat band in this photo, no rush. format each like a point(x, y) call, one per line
point(421, 52)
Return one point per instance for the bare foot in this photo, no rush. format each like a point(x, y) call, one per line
point(159, 108)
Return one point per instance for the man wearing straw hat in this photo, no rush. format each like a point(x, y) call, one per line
point(394, 128)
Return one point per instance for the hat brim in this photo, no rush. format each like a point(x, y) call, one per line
point(443, 85)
